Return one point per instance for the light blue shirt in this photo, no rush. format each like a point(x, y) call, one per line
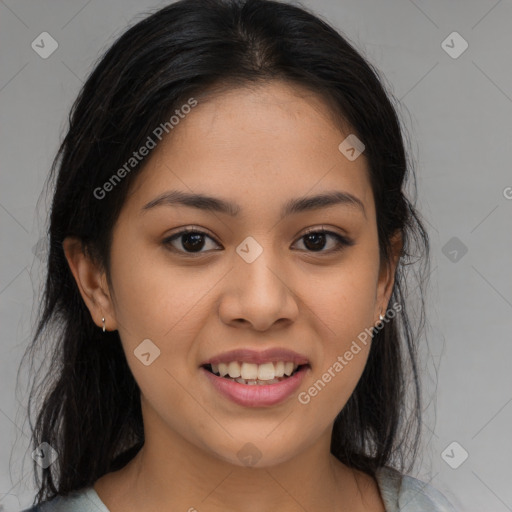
point(400, 493)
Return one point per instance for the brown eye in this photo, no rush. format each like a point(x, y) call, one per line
point(316, 241)
point(192, 241)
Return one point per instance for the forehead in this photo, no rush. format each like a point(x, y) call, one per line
point(255, 145)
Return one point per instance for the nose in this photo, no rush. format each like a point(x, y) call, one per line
point(259, 294)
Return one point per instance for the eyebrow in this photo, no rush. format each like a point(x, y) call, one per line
point(292, 206)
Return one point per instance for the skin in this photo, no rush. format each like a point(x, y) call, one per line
point(258, 147)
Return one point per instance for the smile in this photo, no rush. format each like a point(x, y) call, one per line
point(255, 385)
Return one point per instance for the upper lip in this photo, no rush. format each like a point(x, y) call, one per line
point(258, 356)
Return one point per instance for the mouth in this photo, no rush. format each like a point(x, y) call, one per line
point(262, 390)
point(251, 374)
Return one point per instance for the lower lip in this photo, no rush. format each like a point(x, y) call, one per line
point(257, 395)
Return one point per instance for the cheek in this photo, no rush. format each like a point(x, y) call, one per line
point(344, 299)
point(166, 304)
point(345, 312)
point(151, 295)
point(343, 306)
point(324, 396)
point(163, 304)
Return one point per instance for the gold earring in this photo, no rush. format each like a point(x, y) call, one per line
point(103, 320)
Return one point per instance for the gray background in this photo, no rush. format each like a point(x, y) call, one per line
point(457, 111)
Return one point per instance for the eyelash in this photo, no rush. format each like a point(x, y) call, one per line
point(342, 241)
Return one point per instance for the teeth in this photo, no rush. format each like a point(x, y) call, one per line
point(266, 371)
point(223, 369)
point(279, 366)
point(288, 368)
point(258, 382)
point(250, 373)
point(234, 369)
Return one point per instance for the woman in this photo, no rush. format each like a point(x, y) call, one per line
point(228, 239)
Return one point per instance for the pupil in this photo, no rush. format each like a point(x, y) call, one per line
point(318, 241)
point(196, 237)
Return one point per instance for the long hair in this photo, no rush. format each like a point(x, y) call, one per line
point(87, 404)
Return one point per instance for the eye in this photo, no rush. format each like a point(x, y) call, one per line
point(315, 241)
point(192, 241)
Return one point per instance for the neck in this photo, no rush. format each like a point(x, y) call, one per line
point(171, 473)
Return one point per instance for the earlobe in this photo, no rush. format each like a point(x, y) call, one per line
point(91, 282)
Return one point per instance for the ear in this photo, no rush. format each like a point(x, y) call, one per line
point(91, 281)
point(387, 275)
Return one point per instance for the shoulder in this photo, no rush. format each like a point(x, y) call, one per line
point(83, 500)
point(406, 493)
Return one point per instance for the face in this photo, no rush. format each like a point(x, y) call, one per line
point(251, 278)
